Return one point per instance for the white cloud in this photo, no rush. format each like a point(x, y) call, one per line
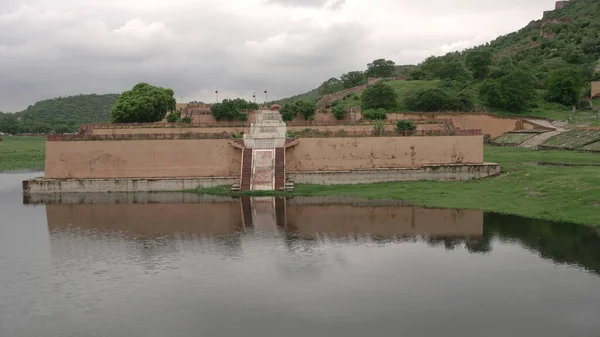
point(50, 48)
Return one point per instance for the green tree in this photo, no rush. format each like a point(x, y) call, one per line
point(374, 114)
point(353, 79)
point(479, 62)
point(381, 68)
point(289, 111)
point(513, 92)
point(330, 86)
point(339, 111)
point(564, 86)
point(173, 117)
point(453, 71)
point(61, 128)
point(10, 124)
point(229, 109)
point(429, 100)
point(406, 127)
point(379, 96)
point(143, 104)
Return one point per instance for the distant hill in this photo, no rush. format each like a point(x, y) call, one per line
point(565, 38)
point(62, 114)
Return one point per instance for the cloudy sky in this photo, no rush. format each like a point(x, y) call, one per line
point(52, 48)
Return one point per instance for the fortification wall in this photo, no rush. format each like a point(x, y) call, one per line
point(142, 159)
point(595, 90)
point(341, 154)
point(495, 126)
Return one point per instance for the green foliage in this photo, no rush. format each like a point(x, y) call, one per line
point(431, 100)
point(353, 79)
point(513, 92)
point(374, 114)
point(405, 127)
point(338, 111)
point(144, 103)
point(330, 86)
point(173, 117)
point(381, 68)
point(289, 111)
point(230, 109)
point(55, 113)
point(186, 120)
point(379, 96)
point(564, 86)
point(479, 62)
point(379, 127)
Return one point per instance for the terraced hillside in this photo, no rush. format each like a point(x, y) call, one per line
point(513, 138)
point(588, 140)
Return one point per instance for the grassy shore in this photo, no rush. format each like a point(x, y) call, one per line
point(567, 194)
point(22, 153)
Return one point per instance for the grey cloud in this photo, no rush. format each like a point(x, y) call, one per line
point(299, 3)
point(64, 47)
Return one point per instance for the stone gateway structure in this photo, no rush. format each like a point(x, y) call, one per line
point(265, 157)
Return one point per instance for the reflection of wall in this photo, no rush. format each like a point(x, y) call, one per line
point(318, 154)
point(142, 159)
point(383, 221)
point(149, 219)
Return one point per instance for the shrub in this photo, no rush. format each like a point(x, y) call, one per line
point(406, 127)
point(186, 119)
point(338, 111)
point(372, 114)
point(172, 117)
point(379, 127)
point(289, 111)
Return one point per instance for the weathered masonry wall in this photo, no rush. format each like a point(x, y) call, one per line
point(495, 126)
point(595, 89)
point(341, 154)
point(141, 159)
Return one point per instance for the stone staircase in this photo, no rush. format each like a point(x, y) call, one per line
point(280, 169)
point(246, 178)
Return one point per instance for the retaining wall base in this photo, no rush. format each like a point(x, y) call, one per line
point(460, 172)
point(118, 185)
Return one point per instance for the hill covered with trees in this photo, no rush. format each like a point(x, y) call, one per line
point(543, 69)
point(62, 114)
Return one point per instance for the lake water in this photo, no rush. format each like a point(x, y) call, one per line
point(183, 265)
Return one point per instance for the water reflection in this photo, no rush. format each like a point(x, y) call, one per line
point(187, 265)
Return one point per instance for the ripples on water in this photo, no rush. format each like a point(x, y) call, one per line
point(181, 265)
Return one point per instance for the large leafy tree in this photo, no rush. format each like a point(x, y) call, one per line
point(230, 109)
point(479, 62)
point(144, 103)
point(513, 92)
point(564, 86)
point(381, 68)
point(353, 79)
point(289, 111)
point(379, 96)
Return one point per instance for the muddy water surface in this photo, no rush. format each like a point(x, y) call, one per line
point(181, 265)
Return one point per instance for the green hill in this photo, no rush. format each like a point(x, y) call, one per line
point(62, 114)
point(544, 69)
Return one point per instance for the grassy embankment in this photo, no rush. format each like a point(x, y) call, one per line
point(568, 194)
point(22, 153)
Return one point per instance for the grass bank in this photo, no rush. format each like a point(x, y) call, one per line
point(22, 153)
point(568, 194)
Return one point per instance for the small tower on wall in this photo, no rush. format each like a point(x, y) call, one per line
point(561, 4)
